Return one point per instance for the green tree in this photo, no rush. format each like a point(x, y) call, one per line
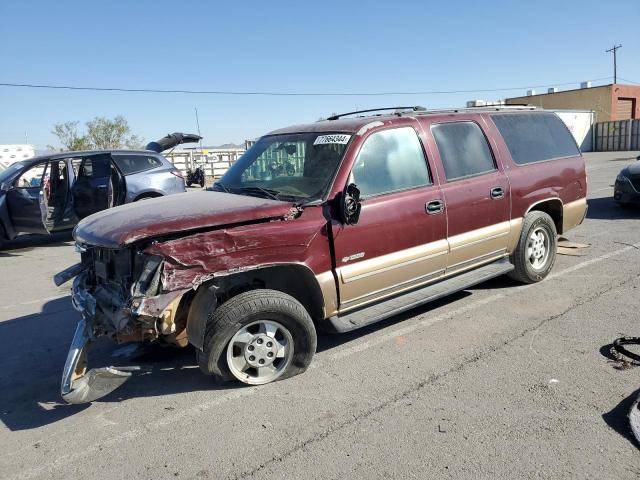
point(106, 134)
point(101, 134)
point(69, 137)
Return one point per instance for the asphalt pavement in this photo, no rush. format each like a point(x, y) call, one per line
point(499, 381)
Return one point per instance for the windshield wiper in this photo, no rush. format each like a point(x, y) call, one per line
point(222, 186)
point(273, 194)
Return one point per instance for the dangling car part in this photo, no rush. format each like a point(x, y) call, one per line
point(628, 359)
point(107, 310)
point(82, 386)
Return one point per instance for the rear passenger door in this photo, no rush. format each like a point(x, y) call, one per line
point(93, 188)
point(476, 195)
point(397, 243)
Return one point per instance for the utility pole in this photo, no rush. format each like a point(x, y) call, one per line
point(615, 68)
point(198, 124)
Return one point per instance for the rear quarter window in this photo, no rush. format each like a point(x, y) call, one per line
point(130, 164)
point(535, 137)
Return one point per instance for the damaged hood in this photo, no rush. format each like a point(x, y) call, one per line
point(178, 213)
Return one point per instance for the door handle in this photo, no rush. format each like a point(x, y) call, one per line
point(101, 187)
point(497, 192)
point(434, 207)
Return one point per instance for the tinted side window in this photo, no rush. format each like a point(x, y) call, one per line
point(130, 164)
point(97, 166)
point(390, 160)
point(463, 149)
point(534, 137)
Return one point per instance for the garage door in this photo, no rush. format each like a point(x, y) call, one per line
point(625, 108)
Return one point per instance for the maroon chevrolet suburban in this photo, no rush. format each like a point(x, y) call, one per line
point(333, 225)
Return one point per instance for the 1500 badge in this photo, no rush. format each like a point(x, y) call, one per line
point(355, 256)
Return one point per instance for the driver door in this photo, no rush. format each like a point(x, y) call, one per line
point(93, 189)
point(399, 242)
point(27, 199)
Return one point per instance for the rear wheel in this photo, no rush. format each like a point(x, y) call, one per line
point(535, 253)
point(258, 337)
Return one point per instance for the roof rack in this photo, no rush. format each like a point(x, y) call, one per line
point(416, 108)
point(487, 108)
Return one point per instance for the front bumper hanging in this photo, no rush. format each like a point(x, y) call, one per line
point(82, 386)
point(79, 385)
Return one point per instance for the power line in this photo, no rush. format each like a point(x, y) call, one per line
point(281, 94)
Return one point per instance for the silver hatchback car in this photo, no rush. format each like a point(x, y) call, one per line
point(54, 192)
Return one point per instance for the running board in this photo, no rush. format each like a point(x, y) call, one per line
point(394, 306)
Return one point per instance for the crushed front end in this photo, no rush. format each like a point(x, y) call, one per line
point(118, 293)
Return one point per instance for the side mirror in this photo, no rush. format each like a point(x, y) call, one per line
point(350, 204)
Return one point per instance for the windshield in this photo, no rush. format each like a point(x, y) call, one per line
point(10, 170)
point(297, 167)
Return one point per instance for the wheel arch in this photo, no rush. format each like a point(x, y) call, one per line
point(148, 194)
point(296, 280)
point(552, 207)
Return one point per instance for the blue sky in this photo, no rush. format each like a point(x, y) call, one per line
point(290, 46)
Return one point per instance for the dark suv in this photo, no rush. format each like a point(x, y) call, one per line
point(332, 225)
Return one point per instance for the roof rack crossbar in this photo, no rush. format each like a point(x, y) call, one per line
point(415, 108)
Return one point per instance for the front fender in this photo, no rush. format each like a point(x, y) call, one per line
point(202, 307)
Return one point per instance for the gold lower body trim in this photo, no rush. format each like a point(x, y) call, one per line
point(573, 214)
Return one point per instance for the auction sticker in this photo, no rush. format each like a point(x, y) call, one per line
point(329, 139)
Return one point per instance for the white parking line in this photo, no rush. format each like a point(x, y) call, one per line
point(196, 410)
point(431, 320)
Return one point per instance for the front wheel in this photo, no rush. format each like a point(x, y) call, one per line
point(535, 253)
point(258, 337)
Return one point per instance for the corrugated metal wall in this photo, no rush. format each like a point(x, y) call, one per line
point(618, 135)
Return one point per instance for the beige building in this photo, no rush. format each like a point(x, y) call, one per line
point(609, 102)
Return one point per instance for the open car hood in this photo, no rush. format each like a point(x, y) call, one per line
point(171, 140)
point(175, 214)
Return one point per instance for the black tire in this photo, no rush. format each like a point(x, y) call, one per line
point(188, 184)
point(524, 271)
point(246, 308)
point(202, 183)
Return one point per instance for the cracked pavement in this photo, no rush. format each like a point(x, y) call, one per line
point(499, 381)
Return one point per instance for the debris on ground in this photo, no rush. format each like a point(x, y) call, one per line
point(574, 249)
point(628, 359)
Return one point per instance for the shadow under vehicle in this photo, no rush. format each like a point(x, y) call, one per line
point(54, 192)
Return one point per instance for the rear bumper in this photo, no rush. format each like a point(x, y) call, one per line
point(573, 214)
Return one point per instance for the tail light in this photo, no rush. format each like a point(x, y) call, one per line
point(178, 174)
